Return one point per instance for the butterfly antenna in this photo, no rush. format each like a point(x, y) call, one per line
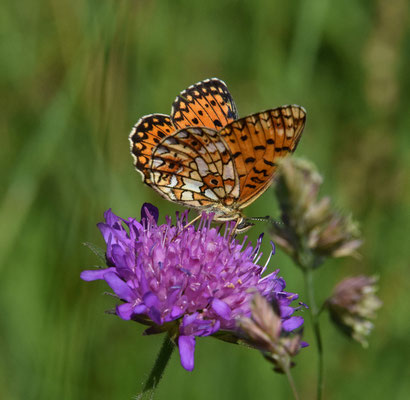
point(268, 219)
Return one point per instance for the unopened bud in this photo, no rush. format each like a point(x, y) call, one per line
point(352, 306)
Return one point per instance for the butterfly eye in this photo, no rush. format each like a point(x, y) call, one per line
point(243, 226)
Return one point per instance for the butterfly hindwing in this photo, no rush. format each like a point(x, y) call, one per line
point(207, 103)
point(257, 142)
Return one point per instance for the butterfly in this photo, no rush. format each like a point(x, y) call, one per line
point(205, 157)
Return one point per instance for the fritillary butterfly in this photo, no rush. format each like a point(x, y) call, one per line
point(202, 156)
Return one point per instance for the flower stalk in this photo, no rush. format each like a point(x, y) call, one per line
point(291, 382)
point(157, 371)
point(311, 231)
point(314, 313)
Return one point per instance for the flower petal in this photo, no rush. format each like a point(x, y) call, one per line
point(155, 315)
point(140, 309)
point(286, 311)
point(150, 299)
point(186, 345)
point(221, 308)
point(94, 274)
point(292, 323)
point(118, 256)
point(176, 312)
point(190, 318)
point(120, 288)
point(106, 231)
point(148, 210)
point(125, 311)
point(110, 217)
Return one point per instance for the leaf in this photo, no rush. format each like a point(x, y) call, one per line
point(98, 251)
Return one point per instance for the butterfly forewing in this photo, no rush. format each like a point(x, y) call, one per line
point(207, 103)
point(145, 135)
point(257, 142)
point(194, 167)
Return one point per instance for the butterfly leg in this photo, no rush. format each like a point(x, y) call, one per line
point(193, 221)
point(241, 225)
point(188, 224)
point(232, 233)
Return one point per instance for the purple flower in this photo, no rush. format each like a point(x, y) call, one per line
point(187, 281)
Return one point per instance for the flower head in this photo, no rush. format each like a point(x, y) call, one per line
point(264, 331)
point(353, 304)
point(311, 228)
point(184, 280)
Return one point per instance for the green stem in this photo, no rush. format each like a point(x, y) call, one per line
point(291, 382)
point(314, 312)
point(159, 367)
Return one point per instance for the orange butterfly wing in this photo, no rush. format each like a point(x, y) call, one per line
point(194, 167)
point(145, 135)
point(207, 103)
point(257, 142)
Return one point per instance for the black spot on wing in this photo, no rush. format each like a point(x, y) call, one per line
point(267, 162)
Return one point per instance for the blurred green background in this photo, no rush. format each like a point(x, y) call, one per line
point(76, 75)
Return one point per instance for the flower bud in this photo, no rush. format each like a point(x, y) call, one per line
point(353, 304)
point(265, 331)
point(311, 229)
